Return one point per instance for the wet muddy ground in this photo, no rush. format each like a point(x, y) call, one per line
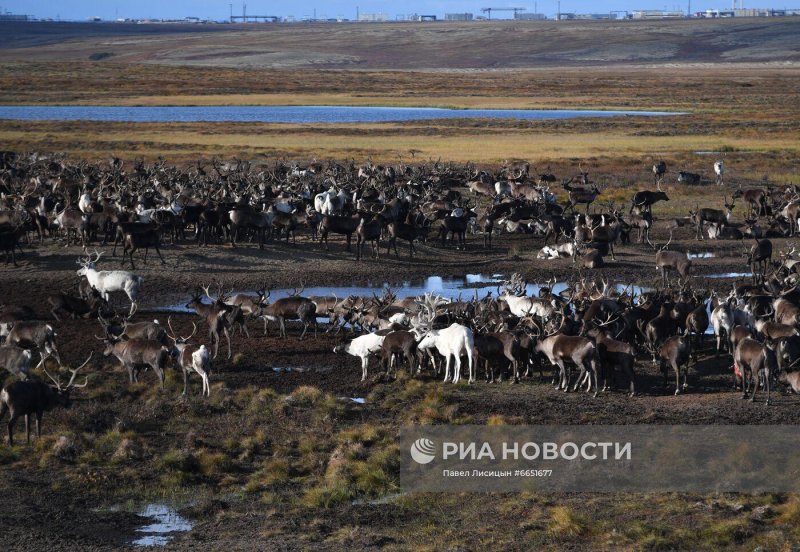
point(95, 521)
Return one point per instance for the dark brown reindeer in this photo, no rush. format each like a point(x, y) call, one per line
point(759, 258)
point(614, 355)
point(16, 361)
point(23, 398)
point(406, 232)
point(76, 307)
point(290, 308)
point(368, 232)
point(399, 345)
point(644, 200)
point(713, 216)
point(338, 225)
point(138, 240)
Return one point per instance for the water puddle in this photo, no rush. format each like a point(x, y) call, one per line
point(701, 255)
point(357, 400)
point(166, 522)
point(302, 369)
point(447, 287)
point(730, 275)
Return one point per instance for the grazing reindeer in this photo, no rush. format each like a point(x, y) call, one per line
point(216, 315)
point(759, 257)
point(752, 358)
point(75, 307)
point(107, 281)
point(34, 335)
point(676, 352)
point(17, 361)
point(362, 347)
point(191, 358)
point(23, 398)
point(290, 308)
point(645, 200)
point(686, 177)
point(712, 216)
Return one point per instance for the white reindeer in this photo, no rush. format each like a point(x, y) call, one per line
point(191, 358)
point(106, 281)
point(719, 170)
point(453, 341)
point(362, 347)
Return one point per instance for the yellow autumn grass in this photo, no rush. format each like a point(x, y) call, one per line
point(307, 142)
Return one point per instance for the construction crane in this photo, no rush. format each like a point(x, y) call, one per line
point(490, 10)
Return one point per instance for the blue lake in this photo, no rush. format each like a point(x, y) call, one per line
point(292, 114)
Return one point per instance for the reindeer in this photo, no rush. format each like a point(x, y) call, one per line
point(216, 315)
point(362, 347)
point(399, 345)
point(107, 281)
point(752, 357)
point(759, 257)
point(29, 334)
point(676, 351)
point(293, 307)
point(368, 232)
point(719, 171)
point(677, 261)
point(17, 361)
point(338, 225)
point(138, 240)
point(644, 200)
point(191, 358)
point(712, 216)
point(581, 351)
point(133, 354)
point(26, 397)
point(756, 198)
point(659, 170)
point(91, 307)
point(579, 195)
point(454, 341)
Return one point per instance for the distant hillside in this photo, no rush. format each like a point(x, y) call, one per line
point(476, 45)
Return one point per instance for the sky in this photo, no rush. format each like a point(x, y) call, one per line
point(300, 9)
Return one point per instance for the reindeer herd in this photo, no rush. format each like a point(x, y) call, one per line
point(596, 329)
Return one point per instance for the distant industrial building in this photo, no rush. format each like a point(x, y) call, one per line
point(586, 16)
point(530, 16)
point(373, 17)
point(458, 17)
point(15, 17)
point(657, 14)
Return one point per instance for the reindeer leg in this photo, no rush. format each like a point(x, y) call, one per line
point(228, 338)
point(186, 381)
point(27, 429)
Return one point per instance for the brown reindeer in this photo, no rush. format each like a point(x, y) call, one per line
point(23, 398)
point(751, 358)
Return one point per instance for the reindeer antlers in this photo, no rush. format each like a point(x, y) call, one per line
point(72, 379)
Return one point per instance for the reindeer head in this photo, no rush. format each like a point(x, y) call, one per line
point(88, 263)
